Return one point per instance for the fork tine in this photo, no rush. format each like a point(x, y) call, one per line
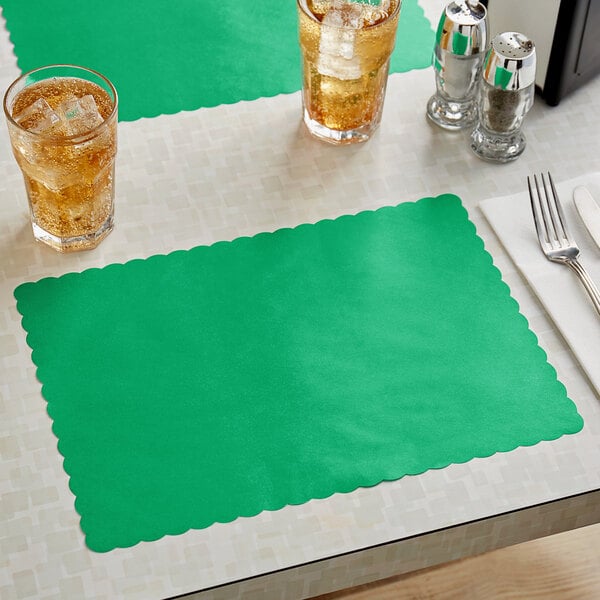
point(561, 232)
point(550, 220)
point(554, 220)
point(539, 217)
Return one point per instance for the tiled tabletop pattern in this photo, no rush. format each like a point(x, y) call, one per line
point(198, 177)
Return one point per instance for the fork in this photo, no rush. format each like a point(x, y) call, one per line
point(551, 228)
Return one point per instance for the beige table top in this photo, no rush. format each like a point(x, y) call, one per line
point(197, 177)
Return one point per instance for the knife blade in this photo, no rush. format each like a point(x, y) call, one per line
point(589, 211)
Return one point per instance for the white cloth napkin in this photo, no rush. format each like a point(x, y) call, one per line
point(557, 287)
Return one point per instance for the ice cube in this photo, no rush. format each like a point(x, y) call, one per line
point(372, 15)
point(338, 32)
point(357, 14)
point(80, 115)
point(337, 42)
point(344, 14)
point(345, 69)
point(336, 46)
point(38, 117)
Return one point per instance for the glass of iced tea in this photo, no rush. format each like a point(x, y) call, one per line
point(62, 122)
point(346, 47)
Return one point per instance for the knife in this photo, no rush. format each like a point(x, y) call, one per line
point(589, 211)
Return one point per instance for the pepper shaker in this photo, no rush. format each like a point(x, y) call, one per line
point(458, 54)
point(506, 94)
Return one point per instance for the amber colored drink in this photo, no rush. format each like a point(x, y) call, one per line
point(346, 47)
point(63, 132)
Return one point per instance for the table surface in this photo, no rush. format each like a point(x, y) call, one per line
point(198, 177)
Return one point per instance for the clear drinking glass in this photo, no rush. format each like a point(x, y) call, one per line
point(62, 122)
point(346, 47)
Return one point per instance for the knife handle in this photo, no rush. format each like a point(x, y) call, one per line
point(590, 286)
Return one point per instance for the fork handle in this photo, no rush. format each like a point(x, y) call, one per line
point(590, 286)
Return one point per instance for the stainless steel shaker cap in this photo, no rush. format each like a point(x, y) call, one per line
point(462, 29)
point(510, 62)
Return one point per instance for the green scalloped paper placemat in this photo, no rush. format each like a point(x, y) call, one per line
point(208, 384)
point(165, 56)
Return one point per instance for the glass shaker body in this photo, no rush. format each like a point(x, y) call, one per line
point(457, 60)
point(506, 94)
point(498, 136)
point(454, 104)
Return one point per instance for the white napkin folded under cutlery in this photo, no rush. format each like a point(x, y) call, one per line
point(556, 286)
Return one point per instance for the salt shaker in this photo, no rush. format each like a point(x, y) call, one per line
point(458, 54)
point(506, 94)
